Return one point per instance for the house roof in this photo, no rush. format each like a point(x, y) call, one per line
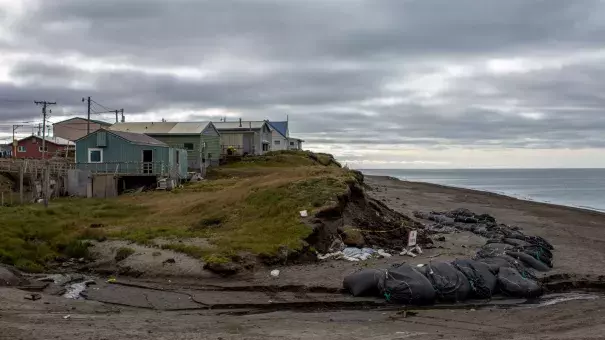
point(92, 121)
point(53, 140)
point(281, 127)
point(168, 128)
point(137, 138)
point(245, 125)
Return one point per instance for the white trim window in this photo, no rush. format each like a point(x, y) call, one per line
point(21, 148)
point(277, 142)
point(95, 155)
point(40, 149)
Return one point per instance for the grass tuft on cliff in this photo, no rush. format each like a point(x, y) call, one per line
point(249, 206)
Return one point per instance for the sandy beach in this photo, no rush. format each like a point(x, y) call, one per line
point(160, 313)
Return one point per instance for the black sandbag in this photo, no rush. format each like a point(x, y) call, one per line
point(539, 253)
point(505, 261)
point(529, 261)
point(516, 242)
point(512, 283)
point(494, 249)
point(535, 240)
point(403, 284)
point(482, 280)
point(363, 282)
point(449, 283)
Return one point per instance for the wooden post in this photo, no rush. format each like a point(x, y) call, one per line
point(46, 184)
point(21, 171)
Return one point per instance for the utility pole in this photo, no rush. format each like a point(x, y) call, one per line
point(47, 174)
point(88, 118)
point(117, 112)
point(14, 146)
point(123, 119)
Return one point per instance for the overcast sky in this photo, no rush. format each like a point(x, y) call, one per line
point(378, 83)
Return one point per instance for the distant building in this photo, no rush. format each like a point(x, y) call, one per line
point(245, 137)
point(200, 139)
point(31, 147)
point(6, 150)
point(282, 139)
point(75, 128)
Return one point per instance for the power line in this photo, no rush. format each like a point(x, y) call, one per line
point(104, 107)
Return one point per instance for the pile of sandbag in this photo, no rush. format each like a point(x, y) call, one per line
point(505, 265)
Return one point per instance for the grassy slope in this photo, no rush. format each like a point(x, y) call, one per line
point(250, 206)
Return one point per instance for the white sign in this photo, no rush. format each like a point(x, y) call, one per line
point(412, 238)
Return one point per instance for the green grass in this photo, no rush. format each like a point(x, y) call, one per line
point(31, 236)
point(249, 207)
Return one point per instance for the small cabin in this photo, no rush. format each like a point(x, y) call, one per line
point(129, 154)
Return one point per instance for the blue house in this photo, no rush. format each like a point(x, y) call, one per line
point(129, 154)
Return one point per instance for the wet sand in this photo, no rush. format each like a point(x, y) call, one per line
point(578, 236)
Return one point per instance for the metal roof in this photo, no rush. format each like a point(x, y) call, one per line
point(245, 125)
point(281, 127)
point(161, 127)
point(92, 121)
point(137, 138)
point(54, 140)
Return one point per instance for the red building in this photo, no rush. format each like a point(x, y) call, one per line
point(31, 147)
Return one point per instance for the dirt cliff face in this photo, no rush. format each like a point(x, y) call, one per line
point(377, 224)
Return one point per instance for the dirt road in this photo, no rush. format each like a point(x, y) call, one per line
point(182, 309)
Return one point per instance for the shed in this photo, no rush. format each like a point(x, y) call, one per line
point(129, 154)
point(200, 139)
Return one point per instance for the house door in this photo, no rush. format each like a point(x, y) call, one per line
point(147, 161)
point(248, 141)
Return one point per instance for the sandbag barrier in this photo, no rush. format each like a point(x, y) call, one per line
point(505, 265)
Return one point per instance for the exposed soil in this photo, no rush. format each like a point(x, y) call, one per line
point(376, 224)
point(303, 302)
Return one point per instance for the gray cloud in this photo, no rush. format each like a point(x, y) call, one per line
point(359, 72)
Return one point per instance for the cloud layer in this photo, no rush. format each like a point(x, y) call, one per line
point(397, 83)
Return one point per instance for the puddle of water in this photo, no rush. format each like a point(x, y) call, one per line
point(74, 284)
point(553, 299)
point(73, 290)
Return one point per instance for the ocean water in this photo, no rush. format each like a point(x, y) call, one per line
point(584, 188)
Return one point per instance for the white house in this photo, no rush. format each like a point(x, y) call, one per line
point(282, 139)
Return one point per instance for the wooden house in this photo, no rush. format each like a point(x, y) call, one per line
point(245, 137)
point(200, 139)
point(129, 154)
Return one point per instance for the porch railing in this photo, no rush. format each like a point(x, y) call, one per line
point(127, 168)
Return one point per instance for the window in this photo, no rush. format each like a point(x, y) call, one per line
point(209, 156)
point(95, 155)
point(21, 148)
point(40, 149)
point(291, 143)
point(188, 146)
point(265, 147)
point(277, 142)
